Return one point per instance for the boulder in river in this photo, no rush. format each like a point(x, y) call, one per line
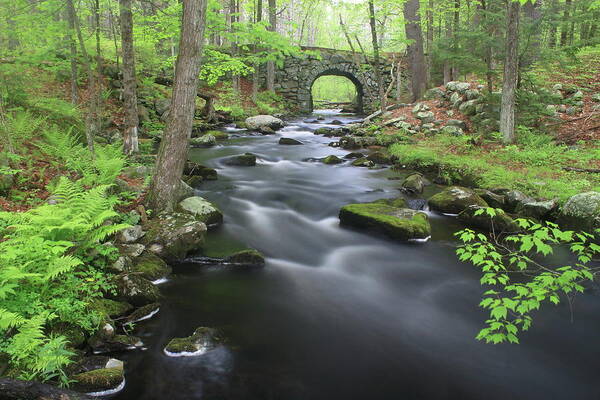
point(242, 160)
point(581, 212)
point(332, 159)
point(203, 141)
point(455, 199)
point(151, 267)
point(323, 131)
point(387, 217)
point(353, 155)
point(289, 141)
point(114, 343)
point(173, 236)
point(493, 199)
point(143, 313)
point(498, 223)
point(195, 169)
point(379, 157)
point(363, 162)
point(249, 257)
point(102, 381)
point(202, 209)
point(257, 122)
point(414, 183)
point(136, 290)
point(202, 340)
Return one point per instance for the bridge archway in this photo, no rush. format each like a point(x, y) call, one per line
point(358, 85)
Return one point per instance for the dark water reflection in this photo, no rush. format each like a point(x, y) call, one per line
point(341, 315)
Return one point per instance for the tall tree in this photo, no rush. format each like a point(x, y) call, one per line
point(256, 78)
point(564, 28)
point(173, 150)
point(378, 75)
point(272, 28)
point(130, 142)
point(511, 74)
point(415, 48)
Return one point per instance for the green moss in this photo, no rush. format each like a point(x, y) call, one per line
point(151, 267)
point(100, 379)
point(201, 338)
point(249, 257)
point(455, 199)
point(397, 223)
point(110, 308)
point(329, 160)
point(219, 135)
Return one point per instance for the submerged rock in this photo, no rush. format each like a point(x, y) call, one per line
point(136, 290)
point(202, 209)
point(202, 340)
point(455, 199)
point(249, 257)
point(581, 212)
point(498, 223)
point(289, 141)
point(259, 121)
point(151, 267)
point(387, 217)
point(323, 131)
point(330, 160)
point(243, 160)
point(174, 236)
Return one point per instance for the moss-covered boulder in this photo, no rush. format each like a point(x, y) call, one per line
point(539, 210)
point(397, 223)
point(203, 141)
point(219, 135)
point(150, 266)
point(242, 160)
point(114, 343)
point(136, 290)
point(353, 155)
point(455, 199)
point(289, 141)
point(379, 157)
point(498, 223)
point(110, 308)
point(195, 169)
point(323, 131)
point(581, 212)
point(201, 209)
point(173, 236)
point(202, 340)
point(331, 160)
point(259, 121)
point(414, 183)
point(74, 334)
point(363, 162)
point(493, 199)
point(515, 199)
point(143, 313)
point(97, 381)
point(249, 257)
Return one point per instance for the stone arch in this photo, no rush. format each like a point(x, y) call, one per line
point(344, 72)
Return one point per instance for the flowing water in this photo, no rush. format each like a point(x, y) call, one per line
point(337, 314)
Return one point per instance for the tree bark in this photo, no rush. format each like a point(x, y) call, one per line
point(378, 75)
point(511, 73)
point(533, 16)
point(564, 28)
point(173, 150)
point(447, 65)
point(130, 136)
point(429, 42)
point(234, 12)
point(256, 78)
point(415, 48)
point(552, 31)
point(73, 56)
point(272, 28)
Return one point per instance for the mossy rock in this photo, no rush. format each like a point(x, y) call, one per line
point(379, 157)
point(173, 236)
point(249, 257)
point(398, 202)
point(242, 160)
point(110, 308)
point(500, 222)
point(493, 199)
point(331, 160)
point(195, 169)
point(75, 335)
point(100, 380)
point(219, 135)
point(323, 131)
point(202, 209)
point(136, 289)
point(455, 199)
point(363, 162)
point(114, 343)
point(290, 141)
point(581, 212)
point(397, 223)
point(414, 183)
point(202, 340)
point(151, 266)
point(143, 313)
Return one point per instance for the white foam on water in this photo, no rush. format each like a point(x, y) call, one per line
point(422, 240)
point(110, 391)
point(159, 281)
point(450, 215)
point(148, 316)
point(199, 352)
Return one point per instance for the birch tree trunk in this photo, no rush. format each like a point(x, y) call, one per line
point(130, 137)
point(511, 73)
point(415, 49)
point(173, 150)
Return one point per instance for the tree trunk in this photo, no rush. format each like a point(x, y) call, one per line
point(234, 12)
point(272, 28)
point(455, 30)
point(130, 137)
point(552, 30)
point(73, 56)
point(533, 16)
point(377, 66)
point(511, 73)
point(113, 29)
point(256, 78)
point(90, 120)
point(447, 65)
point(98, 93)
point(429, 41)
point(564, 28)
point(173, 150)
point(415, 49)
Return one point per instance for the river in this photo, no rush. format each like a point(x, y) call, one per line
point(337, 314)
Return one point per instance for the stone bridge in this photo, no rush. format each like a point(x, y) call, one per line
point(294, 80)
